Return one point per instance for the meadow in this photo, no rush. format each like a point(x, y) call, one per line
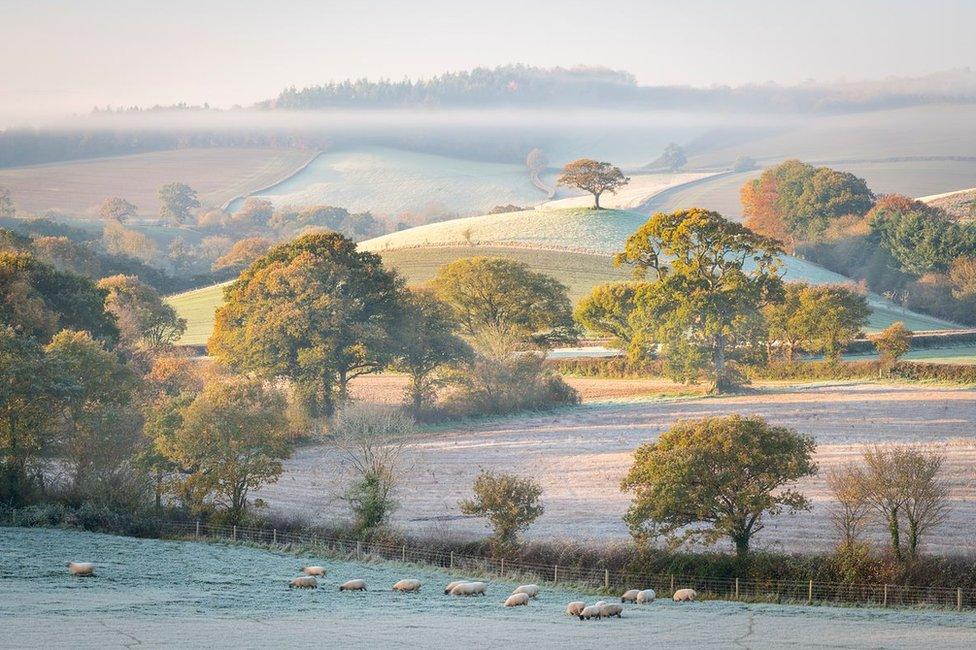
point(78, 187)
point(153, 593)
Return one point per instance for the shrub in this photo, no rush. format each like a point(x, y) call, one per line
point(508, 502)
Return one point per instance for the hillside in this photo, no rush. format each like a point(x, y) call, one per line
point(573, 245)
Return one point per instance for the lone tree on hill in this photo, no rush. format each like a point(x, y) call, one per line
point(117, 209)
point(177, 199)
point(593, 177)
point(717, 477)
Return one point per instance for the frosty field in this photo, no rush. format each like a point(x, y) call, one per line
point(151, 593)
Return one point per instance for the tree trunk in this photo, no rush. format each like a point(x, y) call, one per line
point(912, 538)
point(596, 200)
point(741, 545)
point(721, 384)
point(895, 534)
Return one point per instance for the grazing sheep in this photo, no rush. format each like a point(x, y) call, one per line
point(529, 590)
point(353, 585)
point(517, 599)
point(685, 595)
point(600, 603)
point(611, 609)
point(82, 568)
point(314, 571)
point(304, 582)
point(452, 585)
point(409, 584)
point(469, 589)
point(630, 596)
point(575, 608)
point(646, 596)
point(587, 613)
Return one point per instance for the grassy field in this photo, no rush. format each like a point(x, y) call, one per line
point(79, 187)
point(390, 181)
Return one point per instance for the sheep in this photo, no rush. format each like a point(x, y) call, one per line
point(517, 599)
point(469, 589)
point(646, 596)
point(314, 570)
point(304, 582)
point(353, 585)
point(587, 613)
point(452, 585)
point(630, 596)
point(600, 603)
point(530, 590)
point(410, 584)
point(82, 568)
point(575, 607)
point(685, 595)
point(611, 609)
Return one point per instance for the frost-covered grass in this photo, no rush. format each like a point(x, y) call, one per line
point(188, 594)
point(390, 181)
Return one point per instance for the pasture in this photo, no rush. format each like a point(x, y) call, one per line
point(579, 455)
point(79, 187)
point(153, 593)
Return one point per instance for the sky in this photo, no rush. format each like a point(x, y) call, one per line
point(59, 57)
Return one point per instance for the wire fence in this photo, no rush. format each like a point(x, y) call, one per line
point(609, 581)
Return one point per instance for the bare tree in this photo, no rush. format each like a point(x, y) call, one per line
point(850, 510)
point(370, 441)
point(883, 492)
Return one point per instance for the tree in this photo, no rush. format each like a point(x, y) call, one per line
point(712, 277)
point(962, 275)
point(177, 199)
point(829, 317)
point(231, 439)
point(920, 237)
point(508, 502)
point(179, 254)
point(370, 442)
point(142, 316)
point(593, 177)
point(743, 164)
point(717, 477)
point(893, 343)
point(316, 311)
point(850, 510)
point(607, 311)
point(37, 300)
point(497, 292)
point(672, 159)
point(427, 341)
point(7, 208)
point(117, 209)
point(119, 240)
point(243, 253)
point(254, 214)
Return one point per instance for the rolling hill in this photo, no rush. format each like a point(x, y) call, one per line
point(573, 245)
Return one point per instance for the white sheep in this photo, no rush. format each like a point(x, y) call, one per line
point(304, 582)
point(452, 585)
point(630, 596)
point(353, 585)
point(469, 589)
point(685, 595)
point(646, 596)
point(600, 603)
point(410, 584)
point(529, 590)
point(575, 607)
point(82, 568)
point(593, 611)
point(517, 599)
point(611, 609)
point(314, 570)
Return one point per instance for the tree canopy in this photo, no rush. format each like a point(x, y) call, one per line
point(117, 209)
point(315, 310)
point(816, 318)
point(717, 477)
point(593, 177)
point(711, 277)
point(607, 311)
point(142, 316)
point(502, 293)
point(920, 237)
point(177, 200)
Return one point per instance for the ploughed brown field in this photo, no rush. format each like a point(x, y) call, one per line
point(580, 454)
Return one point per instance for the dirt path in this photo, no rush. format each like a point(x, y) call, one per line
point(580, 454)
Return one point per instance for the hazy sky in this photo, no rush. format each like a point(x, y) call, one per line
point(64, 56)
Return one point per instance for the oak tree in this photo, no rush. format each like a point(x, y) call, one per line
point(593, 177)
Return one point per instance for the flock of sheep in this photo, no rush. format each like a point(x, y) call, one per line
point(519, 597)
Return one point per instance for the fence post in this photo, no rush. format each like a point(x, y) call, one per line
point(884, 603)
point(274, 533)
point(555, 574)
point(235, 532)
point(198, 527)
point(737, 589)
point(359, 550)
point(452, 559)
point(606, 579)
point(958, 599)
point(810, 593)
point(672, 583)
point(503, 566)
point(403, 555)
